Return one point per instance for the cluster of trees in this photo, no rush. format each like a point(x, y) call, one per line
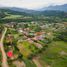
point(2, 14)
point(34, 16)
point(61, 36)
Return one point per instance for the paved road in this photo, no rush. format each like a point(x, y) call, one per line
point(4, 57)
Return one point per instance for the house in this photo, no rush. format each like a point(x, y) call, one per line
point(20, 30)
point(9, 39)
point(38, 37)
point(10, 54)
point(39, 33)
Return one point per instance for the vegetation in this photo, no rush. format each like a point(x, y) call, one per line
point(34, 39)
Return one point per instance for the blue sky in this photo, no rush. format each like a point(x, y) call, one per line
point(31, 4)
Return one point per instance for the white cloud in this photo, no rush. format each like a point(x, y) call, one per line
point(59, 1)
point(31, 3)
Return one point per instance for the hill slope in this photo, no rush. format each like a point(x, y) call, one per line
point(57, 7)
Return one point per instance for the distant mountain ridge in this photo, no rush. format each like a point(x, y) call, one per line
point(57, 7)
point(58, 10)
point(27, 15)
point(21, 9)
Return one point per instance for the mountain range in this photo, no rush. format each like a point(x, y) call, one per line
point(57, 7)
point(58, 10)
point(49, 8)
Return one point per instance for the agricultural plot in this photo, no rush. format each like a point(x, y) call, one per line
point(26, 49)
point(12, 17)
point(55, 55)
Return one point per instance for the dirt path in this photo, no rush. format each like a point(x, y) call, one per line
point(36, 61)
point(4, 57)
point(19, 64)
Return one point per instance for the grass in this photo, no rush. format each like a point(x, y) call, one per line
point(26, 49)
point(12, 17)
point(52, 55)
point(29, 63)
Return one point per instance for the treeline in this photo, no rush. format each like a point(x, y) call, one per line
point(62, 36)
point(35, 16)
point(54, 13)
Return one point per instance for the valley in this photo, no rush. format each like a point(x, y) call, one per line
point(34, 39)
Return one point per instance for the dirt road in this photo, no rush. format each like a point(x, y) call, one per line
point(4, 57)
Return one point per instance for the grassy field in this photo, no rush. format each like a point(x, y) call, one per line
point(29, 63)
point(55, 55)
point(26, 49)
point(12, 17)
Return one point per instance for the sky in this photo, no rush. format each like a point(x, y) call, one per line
point(31, 4)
